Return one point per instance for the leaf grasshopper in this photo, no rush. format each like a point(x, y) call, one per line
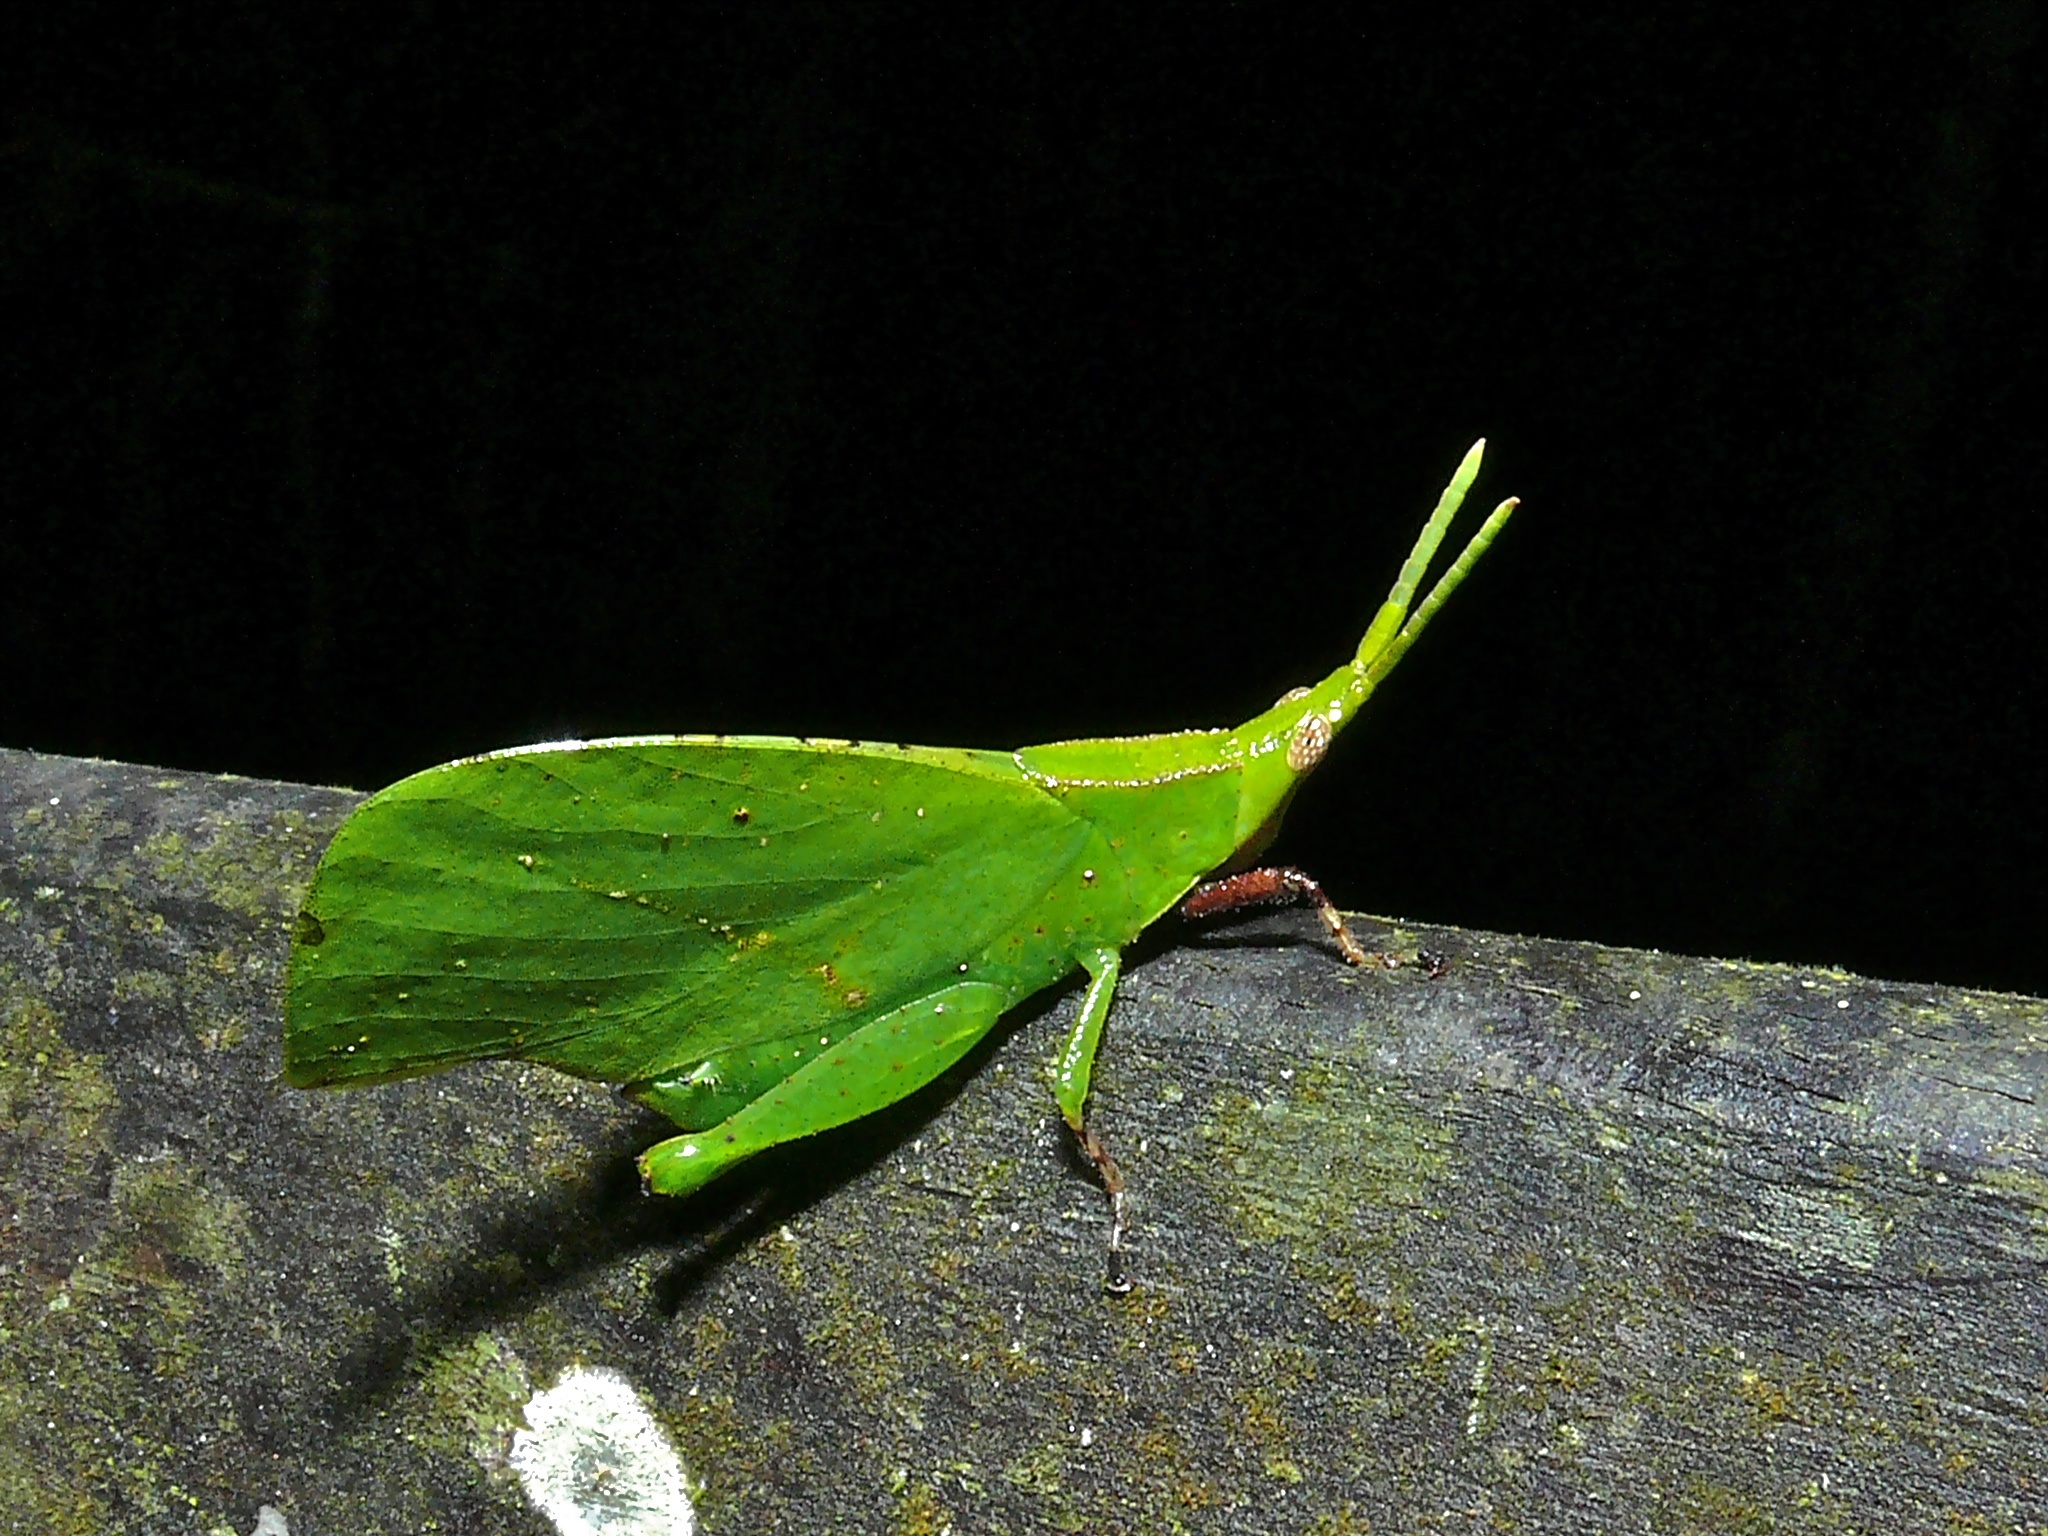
point(763, 937)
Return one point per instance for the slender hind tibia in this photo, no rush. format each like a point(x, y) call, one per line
point(1279, 885)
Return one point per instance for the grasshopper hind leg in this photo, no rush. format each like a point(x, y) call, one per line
point(873, 1066)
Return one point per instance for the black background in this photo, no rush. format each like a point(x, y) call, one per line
point(391, 384)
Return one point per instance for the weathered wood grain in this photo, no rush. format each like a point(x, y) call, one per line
point(1570, 1239)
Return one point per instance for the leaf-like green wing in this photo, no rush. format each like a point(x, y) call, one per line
point(620, 909)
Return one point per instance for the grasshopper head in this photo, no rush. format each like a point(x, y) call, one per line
point(1281, 746)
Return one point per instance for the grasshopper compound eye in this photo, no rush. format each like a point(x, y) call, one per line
point(1308, 744)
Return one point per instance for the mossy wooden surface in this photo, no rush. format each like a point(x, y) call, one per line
point(1569, 1239)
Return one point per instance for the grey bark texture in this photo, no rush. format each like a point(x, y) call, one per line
point(1567, 1239)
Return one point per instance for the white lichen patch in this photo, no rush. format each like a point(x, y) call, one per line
point(595, 1462)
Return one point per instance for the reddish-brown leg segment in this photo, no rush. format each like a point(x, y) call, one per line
point(1071, 1078)
point(1096, 1151)
point(1273, 886)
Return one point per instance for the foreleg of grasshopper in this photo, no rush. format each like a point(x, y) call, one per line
point(1282, 884)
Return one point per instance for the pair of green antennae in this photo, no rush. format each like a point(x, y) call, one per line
point(1389, 637)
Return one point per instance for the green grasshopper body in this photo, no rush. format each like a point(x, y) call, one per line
point(764, 937)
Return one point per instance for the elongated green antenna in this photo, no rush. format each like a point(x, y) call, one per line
point(1386, 624)
point(1393, 630)
point(1446, 584)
